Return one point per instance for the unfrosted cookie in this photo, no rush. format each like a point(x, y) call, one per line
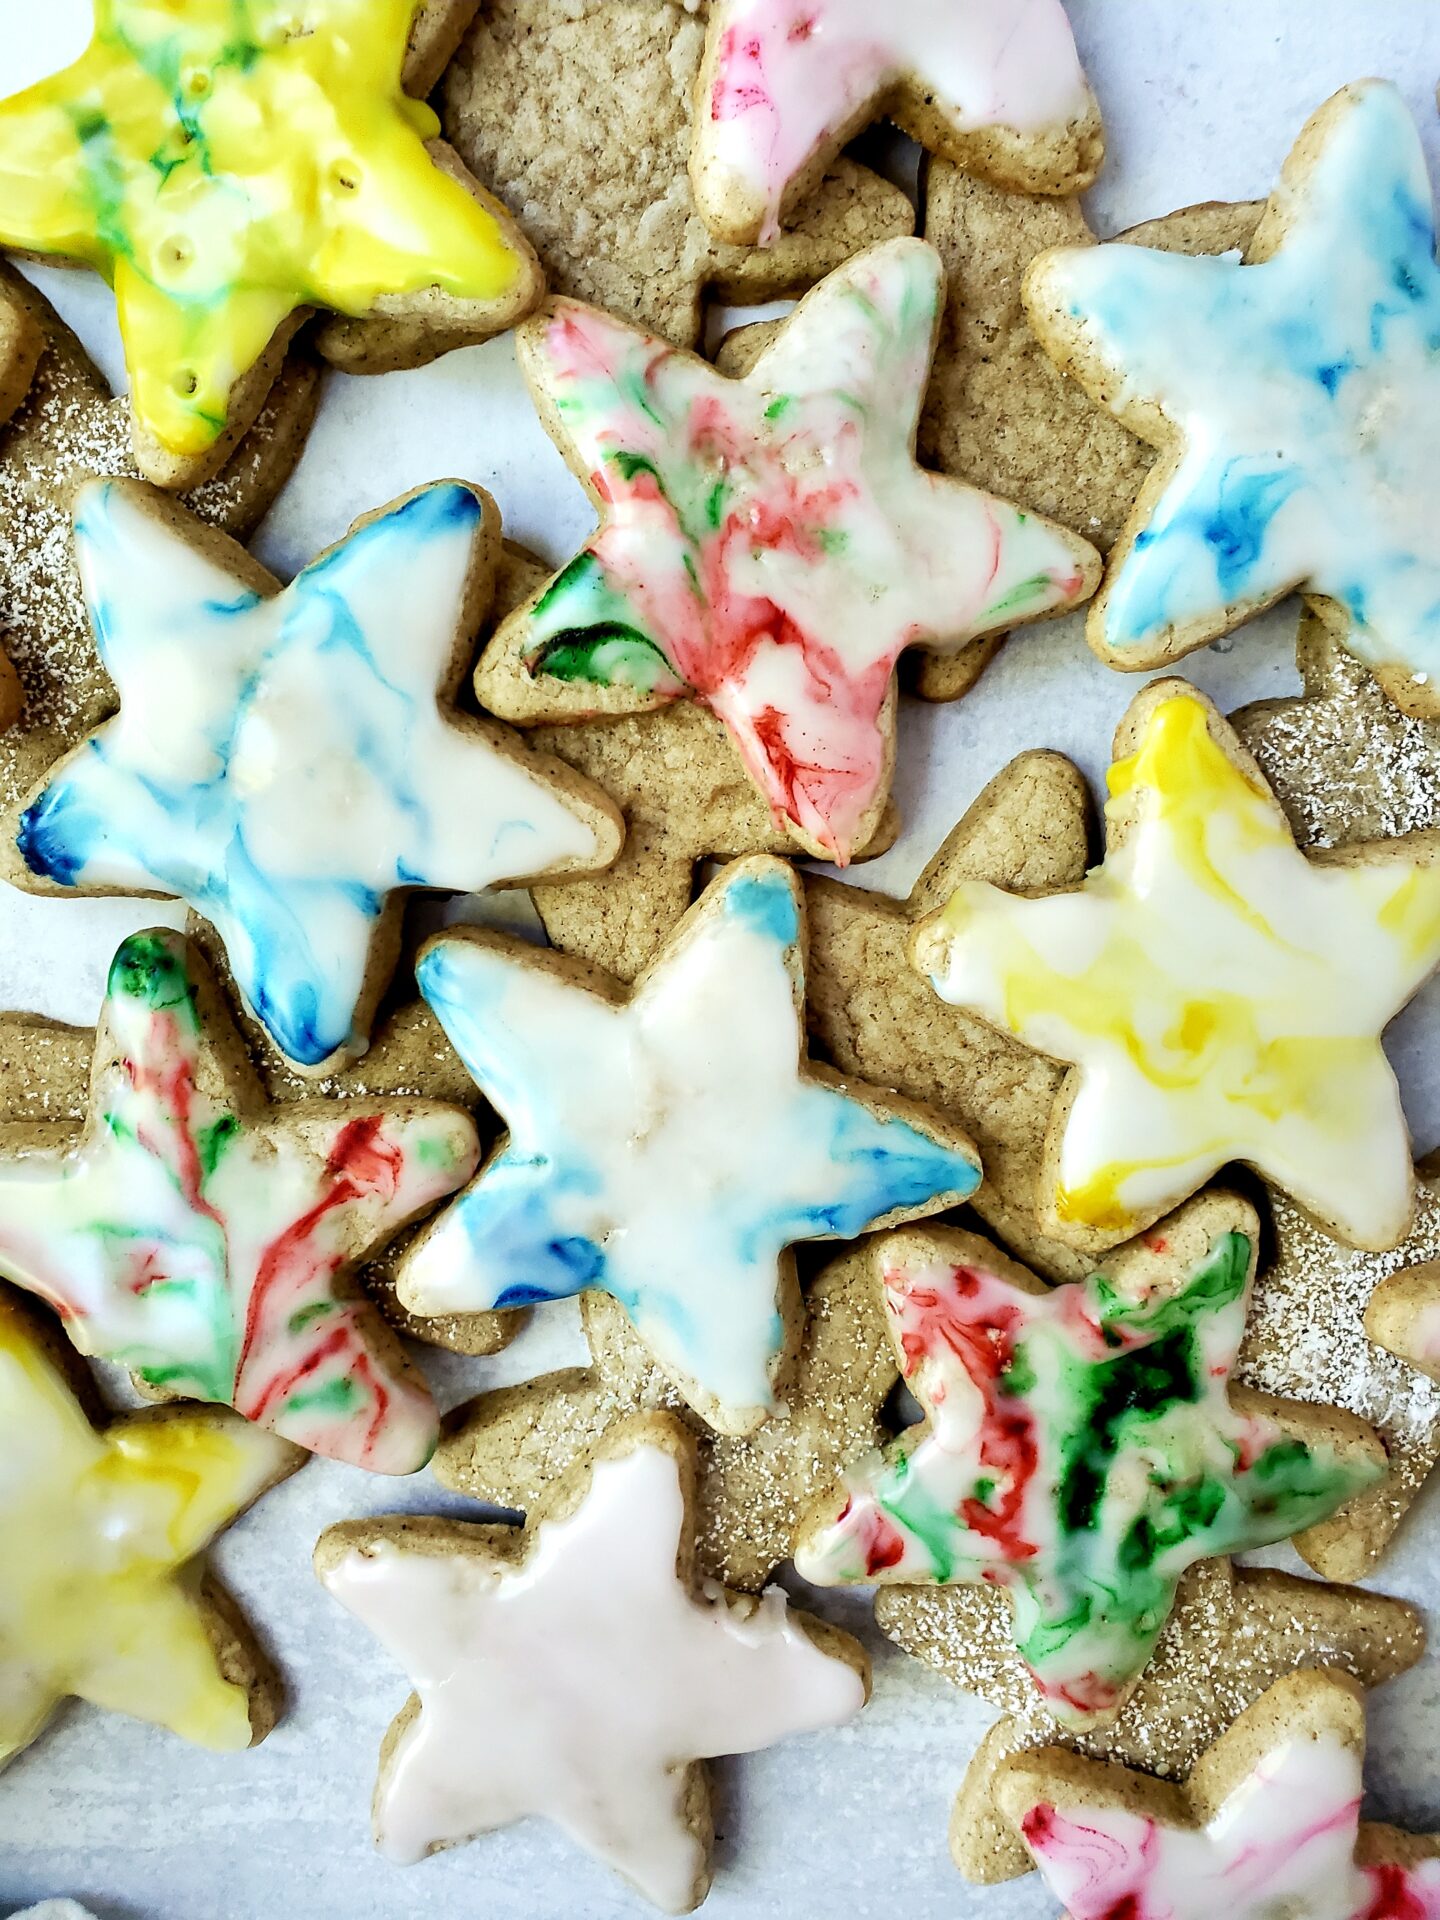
point(1291, 395)
point(768, 545)
point(994, 85)
point(1217, 995)
point(290, 760)
point(102, 1593)
point(578, 113)
point(67, 429)
point(1234, 1631)
point(203, 1237)
point(669, 1146)
point(259, 162)
point(1081, 1446)
point(508, 1446)
point(1267, 1824)
point(998, 409)
point(577, 1669)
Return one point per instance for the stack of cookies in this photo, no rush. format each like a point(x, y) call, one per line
point(1090, 1144)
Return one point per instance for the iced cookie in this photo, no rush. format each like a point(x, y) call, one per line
point(579, 113)
point(1234, 1631)
point(1081, 1446)
point(577, 1670)
point(102, 1593)
point(994, 85)
point(1217, 995)
point(45, 1098)
point(671, 1145)
point(1267, 1824)
point(678, 779)
point(290, 760)
point(508, 1446)
point(67, 429)
point(203, 1237)
point(768, 545)
point(1292, 395)
point(260, 159)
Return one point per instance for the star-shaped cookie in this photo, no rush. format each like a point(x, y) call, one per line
point(1234, 1631)
point(768, 545)
point(68, 429)
point(200, 1237)
point(678, 780)
point(258, 162)
point(1081, 1448)
point(572, 1670)
point(1292, 395)
point(578, 113)
point(507, 1447)
point(1268, 1823)
point(995, 85)
point(289, 760)
point(670, 1146)
point(100, 1596)
point(1217, 995)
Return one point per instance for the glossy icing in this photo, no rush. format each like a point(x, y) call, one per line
point(581, 1685)
point(1221, 995)
point(281, 762)
point(97, 1529)
point(1282, 1845)
point(668, 1148)
point(768, 545)
point(1081, 1453)
point(790, 76)
point(1307, 390)
point(198, 1242)
point(225, 162)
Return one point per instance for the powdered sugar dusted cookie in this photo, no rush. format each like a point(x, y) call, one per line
point(1081, 1448)
point(260, 160)
point(670, 1146)
point(768, 545)
point(203, 1238)
point(69, 428)
point(290, 760)
point(507, 1447)
point(1268, 1823)
point(1234, 1631)
point(1293, 395)
point(995, 85)
point(102, 1596)
point(573, 1671)
point(579, 112)
point(1218, 995)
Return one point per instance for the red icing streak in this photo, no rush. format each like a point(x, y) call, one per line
point(1391, 1896)
point(361, 1161)
point(963, 1315)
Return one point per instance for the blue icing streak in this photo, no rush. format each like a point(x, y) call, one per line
point(518, 1257)
point(766, 902)
point(298, 935)
point(881, 1166)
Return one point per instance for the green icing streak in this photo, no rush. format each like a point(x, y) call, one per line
point(589, 634)
point(150, 969)
point(337, 1397)
point(211, 1141)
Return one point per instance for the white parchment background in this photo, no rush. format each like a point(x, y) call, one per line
point(1201, 100)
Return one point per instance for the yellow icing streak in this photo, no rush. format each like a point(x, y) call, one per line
point(95, 1598)
point(224, 162)
point(1222, 997)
